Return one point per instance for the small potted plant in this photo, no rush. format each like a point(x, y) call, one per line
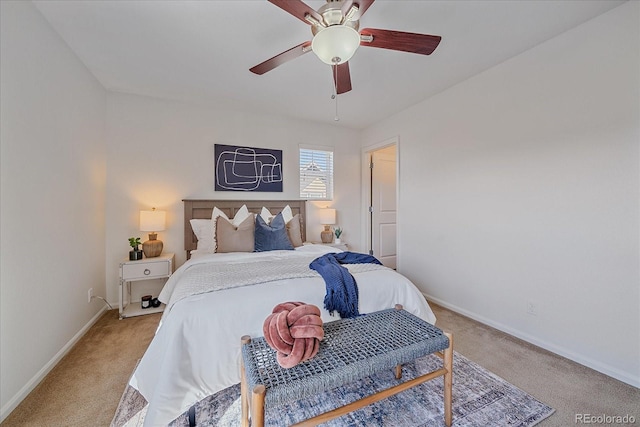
point(136, 253)
point(338, 232)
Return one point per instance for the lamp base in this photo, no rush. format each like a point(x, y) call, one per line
point(152, 247)
point(326, 235)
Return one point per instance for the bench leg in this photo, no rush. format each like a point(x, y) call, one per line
point(448, 380)
point(244, 395)
point(257, 406)
point(244, 398)
point(398, 371)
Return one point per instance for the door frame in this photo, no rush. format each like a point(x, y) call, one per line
point(365, 198)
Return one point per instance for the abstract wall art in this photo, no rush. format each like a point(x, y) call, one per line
point(247, 168)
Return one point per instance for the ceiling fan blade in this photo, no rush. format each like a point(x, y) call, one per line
point(281, 58)
point(342, 77)
point(362, 5)
point(422, 44)
point(298, 9)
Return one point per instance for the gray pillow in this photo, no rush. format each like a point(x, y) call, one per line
point(232, 239)
point(271, 237)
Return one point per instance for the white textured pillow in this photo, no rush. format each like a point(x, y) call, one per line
point(241, 215)
point(287, 214)
point(266, 215)
point(203, 229)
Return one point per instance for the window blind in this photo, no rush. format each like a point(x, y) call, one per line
point(316, 174)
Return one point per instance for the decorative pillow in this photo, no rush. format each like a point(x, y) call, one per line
point(294, 330)
point(230, 238)
point(287, 213)
point(241, 215)
point(271, 237)
point(266, 215)
point(294, 231)
point(203, 229)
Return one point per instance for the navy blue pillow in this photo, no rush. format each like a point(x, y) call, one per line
point(271, 237)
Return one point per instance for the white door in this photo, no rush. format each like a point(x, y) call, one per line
point(383, 205)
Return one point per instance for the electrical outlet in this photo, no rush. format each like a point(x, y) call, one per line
point(532, 308)
point(90, 295)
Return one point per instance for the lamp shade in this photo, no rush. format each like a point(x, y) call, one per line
point(335, 44)
point(327, 216)
point(152, 220)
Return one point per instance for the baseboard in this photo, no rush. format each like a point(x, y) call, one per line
point(561, 351)
point(24, 391)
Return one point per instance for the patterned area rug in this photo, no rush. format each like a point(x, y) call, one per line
point(480, 399)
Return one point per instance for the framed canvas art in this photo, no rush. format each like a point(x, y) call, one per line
point(247, 168)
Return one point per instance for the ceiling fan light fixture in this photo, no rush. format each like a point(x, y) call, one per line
point(336, 44)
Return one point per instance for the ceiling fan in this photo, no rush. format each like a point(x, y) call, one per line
point(336, 38)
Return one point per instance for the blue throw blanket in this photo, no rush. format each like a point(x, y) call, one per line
point(342, 290)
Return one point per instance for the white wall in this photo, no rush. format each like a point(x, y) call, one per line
point(522, 185)
point(160, 152)
point(52, 211)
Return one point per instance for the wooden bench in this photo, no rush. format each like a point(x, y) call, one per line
point(351, 349)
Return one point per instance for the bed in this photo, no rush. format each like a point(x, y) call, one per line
point(215, 298)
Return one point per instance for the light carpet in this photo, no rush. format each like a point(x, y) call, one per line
point(480, 399)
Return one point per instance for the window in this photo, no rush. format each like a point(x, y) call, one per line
point(316, 174)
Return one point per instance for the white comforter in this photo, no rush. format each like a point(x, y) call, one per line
point(196, 350)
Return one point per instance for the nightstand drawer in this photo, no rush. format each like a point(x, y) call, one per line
point(146, 270)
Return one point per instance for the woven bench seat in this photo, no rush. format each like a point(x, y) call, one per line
point(351, 349)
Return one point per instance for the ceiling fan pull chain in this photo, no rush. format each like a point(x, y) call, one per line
point(335, 90)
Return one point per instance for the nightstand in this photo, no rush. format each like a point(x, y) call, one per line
point(341, 246)
point(160, 267)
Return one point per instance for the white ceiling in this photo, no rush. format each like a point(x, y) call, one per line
point(201, 51)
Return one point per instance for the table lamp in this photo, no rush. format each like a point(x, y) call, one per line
point(152, 221)
point(327, 218)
